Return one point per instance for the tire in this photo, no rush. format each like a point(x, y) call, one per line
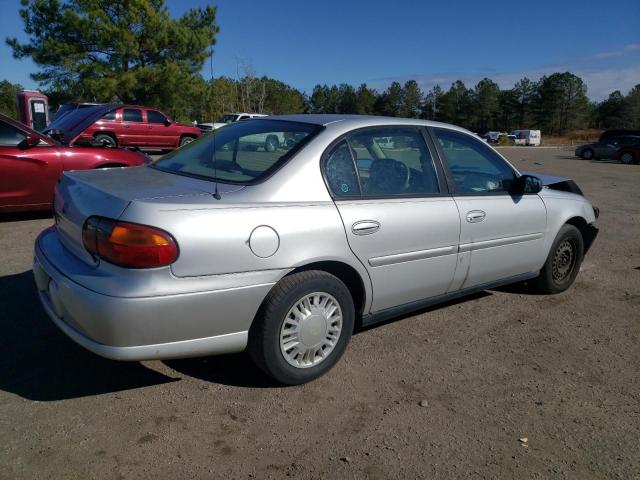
point(274, 328)
point(106, 139)
point(556, 276)
point(627, 158)
point(587, 154)
point(271, 144)
point(185, 140)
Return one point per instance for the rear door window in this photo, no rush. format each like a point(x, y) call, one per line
point(340, 172)
point(393, 161)
point(132, 115)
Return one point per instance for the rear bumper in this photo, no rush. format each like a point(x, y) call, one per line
point(146, 327)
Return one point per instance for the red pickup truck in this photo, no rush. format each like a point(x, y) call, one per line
point(141, 127)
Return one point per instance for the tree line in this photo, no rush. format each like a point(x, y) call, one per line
point(134, 52)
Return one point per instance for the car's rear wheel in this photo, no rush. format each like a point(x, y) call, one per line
point(106, 140)
point(587, 154)
point(303, 327)
point(185, 140)
point(563, 263)
point(271, 144)
point(627, 158)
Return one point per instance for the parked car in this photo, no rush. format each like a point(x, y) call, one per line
point(627, 154)
point(526, 137)
point(492, 136)
point(605, 148)
point(31, 162)
point(141, 127)
point(228, 118)
point(215, 249)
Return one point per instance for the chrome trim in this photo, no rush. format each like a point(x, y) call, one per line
point(411, 256)
point(365, 227)
point(499, 242)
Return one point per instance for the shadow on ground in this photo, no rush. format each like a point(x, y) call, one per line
point(21, 216)
point(38, 362)
point(236, 370)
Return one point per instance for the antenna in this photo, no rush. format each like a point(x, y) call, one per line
point(216, 194)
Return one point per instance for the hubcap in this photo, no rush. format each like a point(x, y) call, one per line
point(310, 330)
point(563, 261)
point(626, 158)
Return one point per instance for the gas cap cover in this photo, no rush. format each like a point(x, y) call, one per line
point(264, 241)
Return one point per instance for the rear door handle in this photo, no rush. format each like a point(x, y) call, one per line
point(365, 227)
point(475, 216)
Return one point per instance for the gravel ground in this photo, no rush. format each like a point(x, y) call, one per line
point(447, 393)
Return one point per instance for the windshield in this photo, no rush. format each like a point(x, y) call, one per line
point(245, 152)
point(228, 118)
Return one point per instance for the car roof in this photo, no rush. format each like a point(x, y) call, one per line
point(358, 121)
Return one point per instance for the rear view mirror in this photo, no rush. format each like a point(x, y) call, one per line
point(29, 141)
point(527, 184)
point(167, 122)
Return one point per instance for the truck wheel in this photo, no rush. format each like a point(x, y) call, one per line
point(271, 144)
point(185, 140)
point(302, 328)
point(106, 140)
point(563, 263)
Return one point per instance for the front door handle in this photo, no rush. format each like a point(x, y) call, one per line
point(365, 227)
point(476, 216)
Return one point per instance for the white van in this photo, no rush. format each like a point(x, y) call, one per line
point(527, 137)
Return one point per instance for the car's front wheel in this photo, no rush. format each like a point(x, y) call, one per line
point(563, 263)
point(303, 327)
point(587, 154)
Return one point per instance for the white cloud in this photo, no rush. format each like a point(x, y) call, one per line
point(603, 73)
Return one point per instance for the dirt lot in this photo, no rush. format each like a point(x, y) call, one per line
point(562, 371)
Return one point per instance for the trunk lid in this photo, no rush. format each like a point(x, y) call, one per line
point(107, 193)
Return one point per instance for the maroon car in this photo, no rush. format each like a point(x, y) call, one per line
point(627, 154)
point(141, 127)
point(31, 162)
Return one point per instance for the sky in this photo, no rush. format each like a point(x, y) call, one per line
point(305, 43)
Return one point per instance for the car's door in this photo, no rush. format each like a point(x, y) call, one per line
point(133, 128)
point(27, 174)
point(502, 235)
point(160, 133)
point(399, 219)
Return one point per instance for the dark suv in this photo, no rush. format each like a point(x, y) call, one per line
point(606, 147)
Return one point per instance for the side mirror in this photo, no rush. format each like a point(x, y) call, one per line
point(167, 122)
point(526, 184)
point(29, 141)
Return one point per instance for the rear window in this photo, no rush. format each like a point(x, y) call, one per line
point(242, 152)
point(132, 115)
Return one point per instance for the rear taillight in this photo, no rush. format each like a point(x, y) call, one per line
point(128, 244)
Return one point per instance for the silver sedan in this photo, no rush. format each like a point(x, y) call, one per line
point(226, 245)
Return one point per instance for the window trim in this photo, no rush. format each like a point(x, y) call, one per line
point(449, 175)
point(443, 186)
